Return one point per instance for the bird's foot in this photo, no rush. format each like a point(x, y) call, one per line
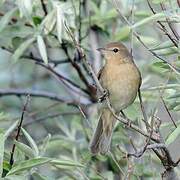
point(103, 96)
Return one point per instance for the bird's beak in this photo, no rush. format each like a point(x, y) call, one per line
point(101, 49)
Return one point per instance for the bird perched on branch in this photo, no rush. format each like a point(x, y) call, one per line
point(121, 78)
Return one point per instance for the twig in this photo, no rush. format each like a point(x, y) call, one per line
point(143, 110)
point(178, 2)
point(80, 21)
point(79, 72)
point(140, 153)
point(44, 7)
point(175, 69)
point(61, 77)
point(168, 111)
point(50, 116)
point(147, 147)
point(35, 93)
point(84, 115)
point(115, 161)
point(162, 26)
point(169, 23)
point(11, 162)
point(33, 58)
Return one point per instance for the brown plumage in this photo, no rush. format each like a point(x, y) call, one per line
point(121, 78)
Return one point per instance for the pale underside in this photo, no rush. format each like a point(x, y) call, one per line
point(125, 79)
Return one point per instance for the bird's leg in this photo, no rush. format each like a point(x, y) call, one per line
point(125, 117)
point(123, 114)
point(103, 96)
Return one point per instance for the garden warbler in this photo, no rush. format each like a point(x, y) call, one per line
point(121, 78)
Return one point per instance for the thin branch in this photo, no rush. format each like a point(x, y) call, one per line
point(11, 162)
point(140, 152)
point(61, 77)
point(168, 111)
point(143, 110)
point(175, 69)
point(35, 93)
point(54, 115)
point(34, 58)
point(178, 2)
point(169, 23)
point(44, 7)
point(163, 27)
point(79, 72)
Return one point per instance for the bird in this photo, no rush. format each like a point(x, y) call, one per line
point(121, 79)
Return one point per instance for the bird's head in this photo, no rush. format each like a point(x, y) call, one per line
point(115, 51)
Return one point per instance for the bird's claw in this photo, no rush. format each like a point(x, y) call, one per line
point(103, 96)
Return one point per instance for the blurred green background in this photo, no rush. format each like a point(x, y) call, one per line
point(54, 142)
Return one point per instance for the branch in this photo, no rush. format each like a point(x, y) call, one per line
point(175, 69)
point(169, 23)
point(43, 94)
point(11, 162)
point(44, 7)
point(140, 152)
point(168, 111)
point(54, 115)
point(33, 58)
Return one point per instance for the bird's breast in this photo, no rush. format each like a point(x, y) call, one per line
point(122, 81)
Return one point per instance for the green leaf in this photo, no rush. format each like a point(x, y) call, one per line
point(161, 65)
point(2, 140)
point(164, 45)
point(42, 48)
point(6, 18)
point(173, 136)
point(49, 22)
point(10, 129)
point(66, 163)
point(45, 144)
point(26, 149)
point(37, 20)
point(16, 177)
point(27, 165)
point(122, 34)
point(20, 50)
point(25, 7)
point(59, 23)
point(31, 142)
point(37, 176)
point(174, 96)
point(152, 18)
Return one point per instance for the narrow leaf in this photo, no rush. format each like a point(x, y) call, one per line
point(66, 163)
point(1, 152)
point(59, 23)
point(6, 18)
point(31, 142)
point(27, 165)
point(10, 129)
point(152, 18)
point(20, 50)
point(49, 22)
point(173, 136)
point(26, 149)
point(42, 49)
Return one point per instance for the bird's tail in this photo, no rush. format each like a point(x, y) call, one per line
point(101, 140)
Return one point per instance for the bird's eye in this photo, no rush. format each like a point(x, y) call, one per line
point(115, 50)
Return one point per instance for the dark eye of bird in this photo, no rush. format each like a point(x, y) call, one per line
point(115, 50)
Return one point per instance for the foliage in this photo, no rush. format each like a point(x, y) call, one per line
point(36, 46)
